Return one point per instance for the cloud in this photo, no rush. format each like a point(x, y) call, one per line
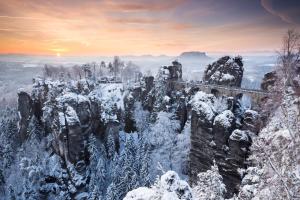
point(288, 10)
point(154, 5)
point(135, 21)
point(35, 18)
point(181, 26)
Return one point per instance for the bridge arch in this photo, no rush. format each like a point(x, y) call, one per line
point(247, 101)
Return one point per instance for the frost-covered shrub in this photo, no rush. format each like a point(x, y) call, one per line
point(168, 187)
point(275, 156)
point(210, 185)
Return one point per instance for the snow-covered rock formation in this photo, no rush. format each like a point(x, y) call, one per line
point(168, 187)
point(274, 171)
point(71, 112)
point(111, 138)
point(209, 186)
point(225, 71)
point(269, 80)
point(218, 134)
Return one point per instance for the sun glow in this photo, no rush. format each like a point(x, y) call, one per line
point(57, 54)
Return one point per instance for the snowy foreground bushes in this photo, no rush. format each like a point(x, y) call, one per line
point(171, 187)
point(275, 155)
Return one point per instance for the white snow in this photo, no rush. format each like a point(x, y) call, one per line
point(70, 97)
point(275, 155)
point(166, 99)
point(110, 96)
point(61, 118)
point(168, 187)
point(203, 104)
point(226, 77)
point(142, 193)
point(225, 119)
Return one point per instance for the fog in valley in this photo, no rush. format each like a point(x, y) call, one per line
point(18, 71)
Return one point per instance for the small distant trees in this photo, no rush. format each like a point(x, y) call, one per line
point(110, 68)
point(50, 71)
point(102, 68)
point(116, 65)
point(77, 71)
point(87, 71)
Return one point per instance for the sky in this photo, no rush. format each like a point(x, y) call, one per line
point(136, 27)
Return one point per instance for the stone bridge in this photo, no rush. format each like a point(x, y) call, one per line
point(256, 95)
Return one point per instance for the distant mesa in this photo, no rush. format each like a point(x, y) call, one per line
point(193, 55)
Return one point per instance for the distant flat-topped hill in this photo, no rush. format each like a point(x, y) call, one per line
point(193, 55)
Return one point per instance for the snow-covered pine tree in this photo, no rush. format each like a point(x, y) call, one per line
point(111, 193)
point(93, 151)
point(144, 157)
point(97, 168)
point(163, 138)
point(111, 146)
point(210, 185)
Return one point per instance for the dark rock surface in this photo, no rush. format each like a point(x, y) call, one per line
point(268, 81)
point(25, 110)
point(252, 121)
point(174, 71)
point(215, 137)
point(225, 71)
point(70, 113)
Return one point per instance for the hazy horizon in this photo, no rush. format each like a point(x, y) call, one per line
point(208, 53)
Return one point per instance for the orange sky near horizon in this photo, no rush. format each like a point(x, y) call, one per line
point(136, 27)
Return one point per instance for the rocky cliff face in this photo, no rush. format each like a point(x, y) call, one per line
point(172, 72)
point(72, 111)
point(220, 128)
point(268, 81)
point(225, 71)
point(216, 136)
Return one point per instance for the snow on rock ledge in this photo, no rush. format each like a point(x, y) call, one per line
point(225, 71)
point(169, 187)
point(225, 119)
point(202, 104)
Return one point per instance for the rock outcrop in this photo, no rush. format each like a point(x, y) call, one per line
point(174, 71)
point(225, 71)
point(70, 113)
point(25, 110)
point(269, 81)
point(215, 137)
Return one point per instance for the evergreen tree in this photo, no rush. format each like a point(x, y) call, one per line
point(111, 146)
point(210, 185)
point(111, 193)
point(144, 159)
